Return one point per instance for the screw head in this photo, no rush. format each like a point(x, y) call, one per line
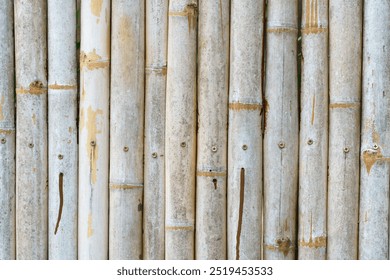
point(93, 143)
point(183, 144)
point(214, 148)
point(346, 150)
point(244, 147)
point(3, 141)
point(126, 149)
point(60, 156)
point(375, 147)
point(154, 155)
point(281, 145)
point(31, 145)
point(310, 142)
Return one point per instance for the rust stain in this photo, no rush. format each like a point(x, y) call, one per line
point(375, 136)
point(370, 157)
point(90, 229)
point(344, 105)
point(313, 110)
point(286, 225)
point(62, 87)
point(92, 61)
point(210, 174)
point(237, 106)
point(184, 228)
point(92, 131)
point(96, 7)
point(190, 11)
point(35, 88)
point(281, 30)
point(283, 245)
point(7, 131)
point(125, 186)
point(34, 119)
point(240, 212)
point(317, 242)
point(1, 107)
point(61, 193)
point(311, 18)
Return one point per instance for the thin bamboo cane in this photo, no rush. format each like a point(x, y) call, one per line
point(375, 153)
point(154, 173)
point(313, 148)
point(281, 131)
point(180, 146)
point(7, 133)
point(94, 129)
point(245, 135)
point(345, 48)
point(213, 51)
point(62, 129)
point(126, 127)
point(31, 137)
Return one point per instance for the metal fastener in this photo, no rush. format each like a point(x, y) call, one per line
point(214, 148)
point(154, 155)
point(60, 156)
point(93, 143)
point(281, 145)
point(3, 141)
point(244, 147)
point(183, 144)
point(346, 150)
point(31, 145)
point(376, 147)
point(310, 142)
point(126, 149)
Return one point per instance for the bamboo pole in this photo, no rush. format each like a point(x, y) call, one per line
point(213, 52)
point(375, 153)
point(244, 135)
point(313, 148)
point(154, 173)
point(7, 133)
point(281, 131)
point(31, 137)
point(62, 129)
point(126, 129)
point(94, 129)
point(345, 48)
point(180, 146)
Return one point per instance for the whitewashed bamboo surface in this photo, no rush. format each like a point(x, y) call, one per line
point(126, 129)
point(213, 75)
point(313, 142)
point(154, 169)
point(7, 133)
point(345, 50)
point(62, 134)
point(194, 129)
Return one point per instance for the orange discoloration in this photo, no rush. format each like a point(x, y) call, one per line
point(90, 229)
point(190, 12)
point(92, 61)
point(62, 87)
point(34, 119)
point(313, 110)
point(375, 136)
point(317, 242)
point(96, 7)
point(92, 131)
point(36, 88)
point(7, 131)
point(370, 157)
point(344, 105)
point(2, 101)
point(283, 245)
point(311, 18)
point(237, 106)
point(282, 30)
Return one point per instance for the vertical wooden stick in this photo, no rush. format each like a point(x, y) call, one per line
point(155, 83)
point(245, 136)
point(31, 137)
point(313, 148)
point(345, 49)
point(94, 129)
point(375, 153)
point(7, 133)
point(127, 127)
point(63, 183)
point(213, 52)
point(281, 131)
point(180, 146)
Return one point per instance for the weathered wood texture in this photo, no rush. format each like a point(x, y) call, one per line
point(313, 148)
point(154, 168)
point(126, 129)
point(375, 150)
point(62, 106)
point(7, 133)
point(281, 131)
point(94, 129)
point(180, 145)
point(244, 135)
point(345, 50)
point(31, 136)
point(213, 77)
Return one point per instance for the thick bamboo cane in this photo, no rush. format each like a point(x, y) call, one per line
point(213, 51)
point(31, 137)
point(180, 146)
point(375, 153)
point(62, 129)
point(154, 173)
point(7, 132)
point(313, 148)
point(126, 129)
point(345, 49)
point(94, 129)
point(281, 131)
point(244, 135)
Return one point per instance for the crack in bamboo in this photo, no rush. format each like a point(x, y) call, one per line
point(126, 186)
point(61, 193)
point(240, 212)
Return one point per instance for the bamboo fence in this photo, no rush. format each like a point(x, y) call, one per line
point(194, 129)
